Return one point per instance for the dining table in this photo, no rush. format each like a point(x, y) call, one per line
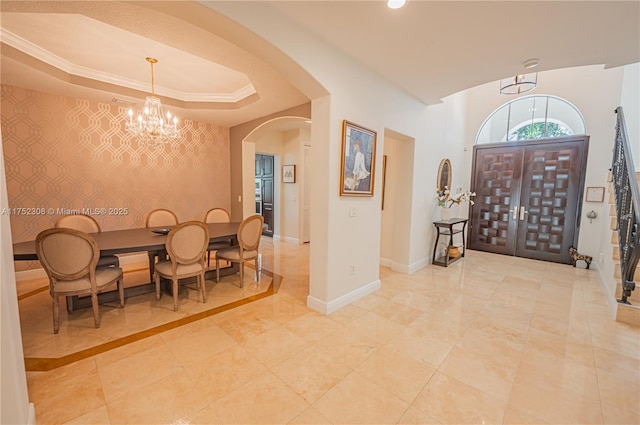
point(125, 241)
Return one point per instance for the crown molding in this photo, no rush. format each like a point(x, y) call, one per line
point(63, 65)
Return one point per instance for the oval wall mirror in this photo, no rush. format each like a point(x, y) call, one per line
point(444, 175)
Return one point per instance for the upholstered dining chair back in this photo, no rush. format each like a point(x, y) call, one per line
point(82, 222)
point(186, 244)
point(67, 254)
point(217, 215)
point(161, 217)
point(70, 258)
point(87, 224)
point(249, 234)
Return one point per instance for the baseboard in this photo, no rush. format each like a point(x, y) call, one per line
point(40, 273)
point(385, 262)
point(343, 301)
point(612, 303)
point(32, 414)
point(290, 239)
point(404, 268)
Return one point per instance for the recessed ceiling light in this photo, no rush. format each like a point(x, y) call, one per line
point(395, 4)
point(530, 63)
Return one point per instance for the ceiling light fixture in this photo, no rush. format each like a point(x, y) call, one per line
point(521, 83)
point(395, 4)
point(150, 126)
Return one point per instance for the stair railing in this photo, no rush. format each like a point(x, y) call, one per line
point(627, 197)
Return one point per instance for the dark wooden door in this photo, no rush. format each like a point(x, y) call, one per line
point(496, 182)
point(528, 198)
point(264, 171)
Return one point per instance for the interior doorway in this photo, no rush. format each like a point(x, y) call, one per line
point(528, 197)
point(397, 189)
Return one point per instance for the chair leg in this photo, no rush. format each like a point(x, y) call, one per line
point(96, 312)
point(217, 269)
point(204, 288)
point(242, 274)
point(121, 291)
point(175, 294)
point(56, 314)
point(208, 258)
point(152, 262)
point(157, 280)
point(257, 271)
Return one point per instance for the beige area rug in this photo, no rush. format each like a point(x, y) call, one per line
point(143, 316)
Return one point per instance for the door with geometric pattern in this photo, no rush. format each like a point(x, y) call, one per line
point(528, 197)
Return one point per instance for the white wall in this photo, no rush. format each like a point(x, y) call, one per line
point(290, 218)
point(14, 400)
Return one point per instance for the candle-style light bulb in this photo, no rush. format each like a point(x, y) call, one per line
point(130, 116)
point(175, 123)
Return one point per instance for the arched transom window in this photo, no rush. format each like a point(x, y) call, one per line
point(532, 117)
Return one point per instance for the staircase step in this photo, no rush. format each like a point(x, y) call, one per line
point(614, 237)
point(614, 224)
point(616, 254)
point(612, 211)
point(629, 314)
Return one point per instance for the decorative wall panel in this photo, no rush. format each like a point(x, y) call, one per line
point(66, 154)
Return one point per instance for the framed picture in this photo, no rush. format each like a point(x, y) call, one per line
point(357, 169)
point(595, 194)
point(288, 173)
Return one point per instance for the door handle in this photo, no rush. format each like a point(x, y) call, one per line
point(515, 212)
point(523, 212)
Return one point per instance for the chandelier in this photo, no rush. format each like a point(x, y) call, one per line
point(521, 83)
point(151, 125)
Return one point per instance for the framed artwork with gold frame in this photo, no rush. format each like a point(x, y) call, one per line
point(357, 169)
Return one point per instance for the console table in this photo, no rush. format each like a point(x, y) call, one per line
point(449, 228)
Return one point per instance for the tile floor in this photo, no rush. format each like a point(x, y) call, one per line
point(491, 339)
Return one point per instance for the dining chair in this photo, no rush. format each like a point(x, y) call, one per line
point(186, 244)
point(86, 223)
point(70, 259)
point(159, 218)
point(216, 215)
point(249, 234)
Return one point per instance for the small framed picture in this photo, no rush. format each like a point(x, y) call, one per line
point(357, 169)
point(595, 194)
point(288, 173)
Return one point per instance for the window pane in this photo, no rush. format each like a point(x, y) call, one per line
point(566, 116)
point(495, 128)
point(522, 112)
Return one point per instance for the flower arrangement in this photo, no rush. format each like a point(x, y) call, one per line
point(446, 199)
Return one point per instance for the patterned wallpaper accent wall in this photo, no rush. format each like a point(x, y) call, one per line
point(64, 153)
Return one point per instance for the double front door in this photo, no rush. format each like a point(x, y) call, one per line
point(528, 197)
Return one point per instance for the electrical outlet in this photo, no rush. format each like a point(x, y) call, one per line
point(352, 268)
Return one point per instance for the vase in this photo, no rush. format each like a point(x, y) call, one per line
point(445, 214)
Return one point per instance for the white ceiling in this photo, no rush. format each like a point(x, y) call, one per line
point(429, 49)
